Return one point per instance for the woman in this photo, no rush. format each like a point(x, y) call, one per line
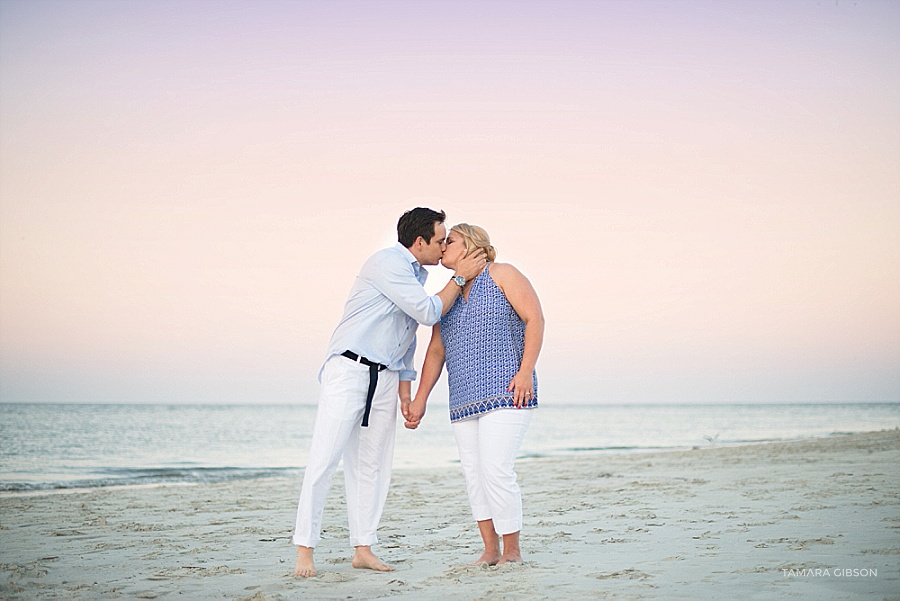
point(490, 340)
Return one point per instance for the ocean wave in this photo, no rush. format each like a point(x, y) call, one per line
point(138, 476)
point(586, 450)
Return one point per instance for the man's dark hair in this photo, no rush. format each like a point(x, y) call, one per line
point(418, 222)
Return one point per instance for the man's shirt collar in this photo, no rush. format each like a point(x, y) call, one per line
point(411, 258)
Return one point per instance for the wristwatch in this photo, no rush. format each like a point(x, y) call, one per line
point(459, 280)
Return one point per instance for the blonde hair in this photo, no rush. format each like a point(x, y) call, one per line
point(475, 237)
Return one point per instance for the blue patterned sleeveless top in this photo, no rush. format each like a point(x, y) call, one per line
point(484, 339)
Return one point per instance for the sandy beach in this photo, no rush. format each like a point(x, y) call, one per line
point(816, 519)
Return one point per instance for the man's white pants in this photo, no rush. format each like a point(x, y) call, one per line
point(367, 452)
point(487, 451)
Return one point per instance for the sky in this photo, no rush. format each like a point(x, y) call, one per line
point(705, 195)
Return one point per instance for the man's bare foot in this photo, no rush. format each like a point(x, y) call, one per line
point(366, 560)
point(510, 558)
point(305, 567)
point(489, 557)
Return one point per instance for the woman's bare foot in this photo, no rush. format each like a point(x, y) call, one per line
point(491, 542)
point(510, 558)
point(489, 557)
point(305, 567)
point(511, 552)
point(366, 560)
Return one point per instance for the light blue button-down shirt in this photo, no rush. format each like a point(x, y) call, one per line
point(386, 304)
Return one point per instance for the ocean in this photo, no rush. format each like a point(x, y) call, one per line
point(67, 446)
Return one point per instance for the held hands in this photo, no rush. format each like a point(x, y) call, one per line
point(522, 387)
point(471, 265)
point(413, 412)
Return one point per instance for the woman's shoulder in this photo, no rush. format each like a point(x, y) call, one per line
point(506, 276)
point(503, 271)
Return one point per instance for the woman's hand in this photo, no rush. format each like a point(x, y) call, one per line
point(522, 387)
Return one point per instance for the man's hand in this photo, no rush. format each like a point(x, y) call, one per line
point(471, 265)
point(404, 408)
point(404, 391)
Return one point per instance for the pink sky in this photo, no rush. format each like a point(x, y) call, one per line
point(706, 195)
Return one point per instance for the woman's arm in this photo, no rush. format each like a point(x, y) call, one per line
point(524, 300)
point(431, 371)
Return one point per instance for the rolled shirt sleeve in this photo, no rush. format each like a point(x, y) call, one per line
point(408, 373)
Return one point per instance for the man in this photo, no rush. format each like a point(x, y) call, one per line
point(369, 363)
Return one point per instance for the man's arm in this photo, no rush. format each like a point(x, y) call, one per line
point(404, 390)
point(395, 279)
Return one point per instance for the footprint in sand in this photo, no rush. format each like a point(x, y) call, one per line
point(334, 577)
point(630, 573)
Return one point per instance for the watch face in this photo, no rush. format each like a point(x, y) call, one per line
point(461, 281)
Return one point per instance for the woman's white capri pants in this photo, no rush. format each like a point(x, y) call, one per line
point(487, 451)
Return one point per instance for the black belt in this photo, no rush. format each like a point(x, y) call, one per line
point(374, 368)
